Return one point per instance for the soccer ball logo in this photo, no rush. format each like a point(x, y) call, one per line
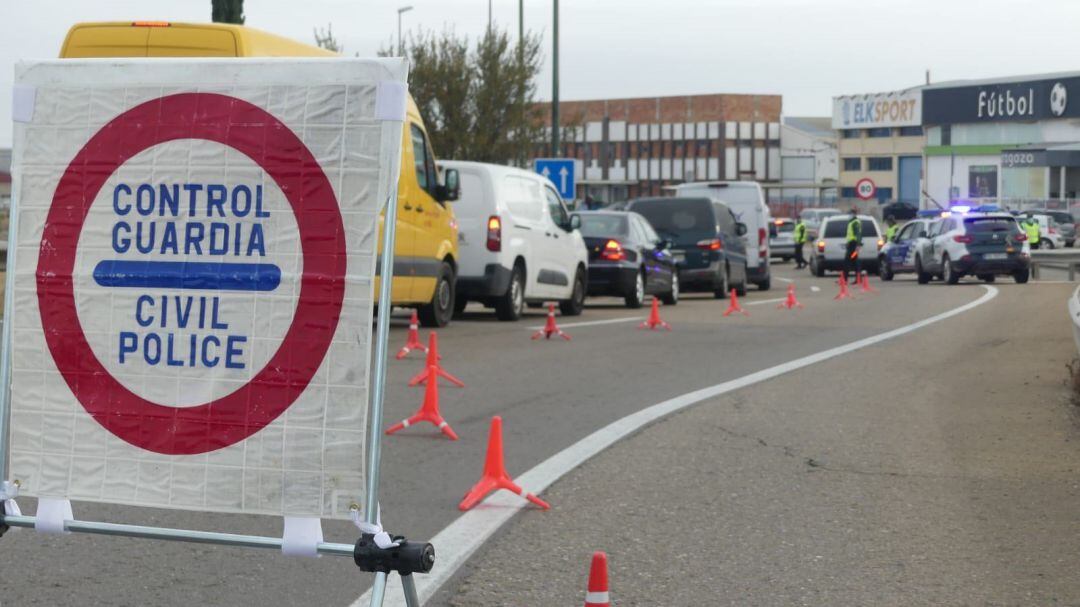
point(1058, 99)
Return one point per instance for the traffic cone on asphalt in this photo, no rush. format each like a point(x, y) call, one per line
point(495, 476)
point(654, 318)
point(550, 328)
point(791, 302)
point(432, 368)
point(734, 305)
point(597, 595)
point(864, 283)
point(412, 342)
point(428, 412)
point(844, 292)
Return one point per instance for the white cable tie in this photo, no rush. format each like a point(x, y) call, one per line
point(51, 514)
point(382, 538)
point(302, 536)
point(8, 492)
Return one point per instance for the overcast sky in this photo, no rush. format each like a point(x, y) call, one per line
point(806, 50)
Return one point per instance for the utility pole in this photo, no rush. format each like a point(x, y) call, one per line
point(489, 15)
point(521, 29)
point(400, 42)
point(555, 84)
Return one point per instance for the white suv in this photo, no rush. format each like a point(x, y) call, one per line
point(981, 244)
point(516, 242)
point(830, 248)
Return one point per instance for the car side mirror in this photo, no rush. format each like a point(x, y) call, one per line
point(575, 222)
point(664, 244)
point(740, 229)
point(450, 189)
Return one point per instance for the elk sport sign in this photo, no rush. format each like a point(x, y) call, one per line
point(193, 281)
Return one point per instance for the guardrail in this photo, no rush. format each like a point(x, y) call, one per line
point(1074, 316)
point(1061, 259)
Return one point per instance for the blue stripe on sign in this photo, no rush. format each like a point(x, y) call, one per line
point(188, 275)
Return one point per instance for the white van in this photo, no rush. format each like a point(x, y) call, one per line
point(747, 201)
point(516, 241)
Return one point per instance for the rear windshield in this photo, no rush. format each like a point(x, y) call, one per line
point(675, 216)
point(990, 224)
point(602, 225)
point(1062, 216)
point(785, 227)
point(838, 229)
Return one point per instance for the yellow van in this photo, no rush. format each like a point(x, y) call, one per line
point(425, 252)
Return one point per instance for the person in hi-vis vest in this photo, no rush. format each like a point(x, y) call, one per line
point(853, 242)
point(800, 240)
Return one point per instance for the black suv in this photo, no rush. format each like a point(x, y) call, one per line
point(707, 241)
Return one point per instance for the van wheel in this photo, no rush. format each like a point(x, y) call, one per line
point(438, 312)
point(1021, 276)
point(817, 268)
point(511, 304)
point(576, 303)
point(634, 299)
point(720, 291)
point(764, 285)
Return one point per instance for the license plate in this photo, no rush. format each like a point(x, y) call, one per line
point(995, 256)
point(680, 258)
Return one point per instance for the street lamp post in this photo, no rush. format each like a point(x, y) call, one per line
point(555, 84)
point(400, 42)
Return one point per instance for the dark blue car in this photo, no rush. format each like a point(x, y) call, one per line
point(627, 258)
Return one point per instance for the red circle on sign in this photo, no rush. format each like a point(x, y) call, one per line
point(870, 191)
point(274, 147)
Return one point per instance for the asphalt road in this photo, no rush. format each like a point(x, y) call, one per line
point(550, 394)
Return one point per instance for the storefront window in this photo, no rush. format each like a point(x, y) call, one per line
point(878, 132)
point(982, 181)
point(1023, 182)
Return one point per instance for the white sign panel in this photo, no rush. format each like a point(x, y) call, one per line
point(902, 108)
point(193, 280)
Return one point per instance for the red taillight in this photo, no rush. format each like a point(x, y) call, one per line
point(1020, 237)
point(763, 244)
point(613, 251)
point(963, 239)
point(1051, 230)
point(494, 234)
point(710, 244)
point(821, 246)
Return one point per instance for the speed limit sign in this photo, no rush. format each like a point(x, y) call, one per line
point(865, 189)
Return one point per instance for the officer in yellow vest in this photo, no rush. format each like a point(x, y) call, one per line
point(800, 240)
point(1032, 229)
point(892, 229)
point(854, 241)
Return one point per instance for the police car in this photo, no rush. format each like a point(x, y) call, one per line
point(973, 243)
point(898, 255)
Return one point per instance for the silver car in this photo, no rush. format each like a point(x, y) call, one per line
point(782, 239)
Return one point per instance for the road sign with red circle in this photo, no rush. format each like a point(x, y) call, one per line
point(194, 277)
point(865, 188)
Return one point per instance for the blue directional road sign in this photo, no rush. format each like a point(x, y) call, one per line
point(560, 171)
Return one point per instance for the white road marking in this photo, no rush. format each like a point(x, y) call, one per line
point(815, 288)
point(462, 538)
point(610, 321)
point(766, 301)
point(782, 279)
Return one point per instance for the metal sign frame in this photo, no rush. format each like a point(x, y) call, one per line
point(391, 138)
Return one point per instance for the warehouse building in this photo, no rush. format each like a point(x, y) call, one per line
point(626, 148)
point(880, 145)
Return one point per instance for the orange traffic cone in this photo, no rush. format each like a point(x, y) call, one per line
point(550, 328)
point(734, 305)
point(495, 476)
point(791, 302)
point(432, 368)
point(428, 412)
point(864, 283)
point(844, 293)
point(412, 342)
point(597, 595)
point(654, 318)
